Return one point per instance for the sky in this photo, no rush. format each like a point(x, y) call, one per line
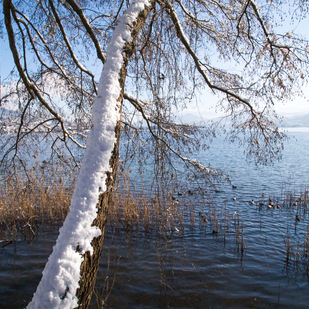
point(206, 107)
point(298, 106)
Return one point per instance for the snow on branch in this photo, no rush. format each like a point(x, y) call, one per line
point(61, 275)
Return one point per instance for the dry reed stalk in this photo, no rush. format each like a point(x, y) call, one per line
point(103, 292)
point(239, 234)
point(24, 203)
point(306, 249)
point(286, 241)
point(242, 238)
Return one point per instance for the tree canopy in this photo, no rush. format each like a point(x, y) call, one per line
point(184, 47)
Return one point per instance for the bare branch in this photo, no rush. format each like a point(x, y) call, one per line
point(87, 26)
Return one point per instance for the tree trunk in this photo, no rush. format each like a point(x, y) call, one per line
point(90, 264)
point(65, 284)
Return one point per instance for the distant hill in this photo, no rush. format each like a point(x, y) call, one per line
point(287, 121)
point(295, 121)
point(5, 112)
point(198, 118)
point(192, 118)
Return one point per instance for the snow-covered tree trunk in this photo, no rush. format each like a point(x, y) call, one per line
point(69, 275)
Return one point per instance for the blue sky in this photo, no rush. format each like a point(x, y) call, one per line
point(206, 107)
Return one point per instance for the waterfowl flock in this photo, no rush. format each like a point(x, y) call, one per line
point(270, 204)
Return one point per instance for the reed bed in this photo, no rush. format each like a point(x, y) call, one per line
point(26, 203)
point(297, 251)
point(173, 213)
point(131, 211)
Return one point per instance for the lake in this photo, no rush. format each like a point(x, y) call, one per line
point(247, 255)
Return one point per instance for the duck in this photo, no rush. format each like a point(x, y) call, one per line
point(299, 199)
point(297, 218)
point(270, 206)
point(200, 215)
point(234, 198)
point(278, 206)
point(234, 187)
point(263, 194)
point(252, 202)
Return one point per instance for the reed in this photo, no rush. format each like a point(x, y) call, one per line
point(297, 201)
point(133, 211)
point(306, 249)
point(239, 234)
point(26, 203)
point(102, 293)
point(297, 254)
point(288, 248)
point(29, 202)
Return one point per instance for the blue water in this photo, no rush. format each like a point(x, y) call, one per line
point(290, 173)
point(198, 268)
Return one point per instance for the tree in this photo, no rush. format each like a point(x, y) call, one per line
point(164, 52)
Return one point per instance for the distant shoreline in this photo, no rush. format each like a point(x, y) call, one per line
point(294, 129)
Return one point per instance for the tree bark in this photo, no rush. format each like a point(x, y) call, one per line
point(90, 264)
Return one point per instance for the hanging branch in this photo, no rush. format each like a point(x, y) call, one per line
point(32, 89)
point(139, 106)
point(78, 64)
